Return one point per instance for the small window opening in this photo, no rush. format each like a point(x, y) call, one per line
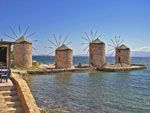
point(119, 59)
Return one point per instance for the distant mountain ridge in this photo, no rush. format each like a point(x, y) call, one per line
point(133, 54)
point(140, 54)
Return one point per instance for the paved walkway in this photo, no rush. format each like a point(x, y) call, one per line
point(9, 100)
point(4, 83)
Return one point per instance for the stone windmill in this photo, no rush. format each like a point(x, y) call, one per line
point(122, 52)
point(96, 49)
point(63, 54)
point(22, 48)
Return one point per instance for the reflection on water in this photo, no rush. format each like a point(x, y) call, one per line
point(93, 92)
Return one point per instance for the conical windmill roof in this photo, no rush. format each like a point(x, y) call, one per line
point(97, 41)
point(63, 47)
point(22, 40)
point(122, 47)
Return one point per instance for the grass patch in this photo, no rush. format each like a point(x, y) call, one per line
point(46, 111)
point(34, 66)
point(26, 77)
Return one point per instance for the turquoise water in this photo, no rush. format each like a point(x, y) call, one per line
point(94, 92)
point(85, 59)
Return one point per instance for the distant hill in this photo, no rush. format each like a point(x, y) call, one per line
point(140, 54)
point(133, 54)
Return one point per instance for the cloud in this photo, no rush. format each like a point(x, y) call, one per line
point(145, 49)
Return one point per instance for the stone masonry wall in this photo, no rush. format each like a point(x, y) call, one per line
point(26, 97)
point(23, 55)
point(97, 54)
point(123, 56)
point(63, 58)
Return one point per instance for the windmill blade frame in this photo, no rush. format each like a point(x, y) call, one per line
point(91, 33)
point(51, 52)
point(35, 40)
point(9, 36)
point(84, 43)
point(30, 35)
point(19, 29)
point(116, 43)
point(85, 39)
point(52, 43)
point(111, 54)
point(121, 42)
point(112, 42)
point(95, 34)
point(87, 36)
point(13, 32)
point(26, 30)
point(55, 39)
point(85, 48)
point(17, 36)
point(111, 49)
point(68, 43)
point(59, 40)
point(111, 45)
point(34, 48)
point(99, 36)
point(65, 39)
point(118, 39)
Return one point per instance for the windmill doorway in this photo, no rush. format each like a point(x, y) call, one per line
point(5, 51)
point(119, 60)
point(3, 55)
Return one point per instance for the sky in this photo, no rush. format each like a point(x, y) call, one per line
point(129, 19)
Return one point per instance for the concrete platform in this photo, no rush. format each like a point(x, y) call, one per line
point(114, 68)
point(45, 71)
point(106, 68)
point(50, 70)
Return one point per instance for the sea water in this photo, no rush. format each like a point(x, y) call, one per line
point(94, 92)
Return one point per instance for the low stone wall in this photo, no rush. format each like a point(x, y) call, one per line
point(133, 67)
point(3, 106)
point(111, 68)
point(25, 94)
point(47, 71)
